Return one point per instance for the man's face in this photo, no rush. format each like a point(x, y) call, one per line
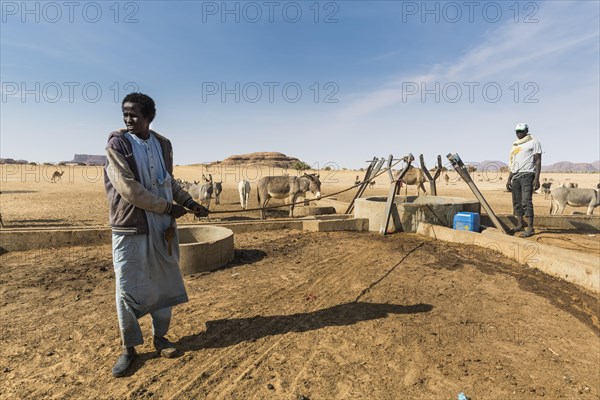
point(135, 122)
point(521, 134)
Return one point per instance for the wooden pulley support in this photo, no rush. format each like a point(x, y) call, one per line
point(432, 179)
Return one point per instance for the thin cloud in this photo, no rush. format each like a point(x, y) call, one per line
point(506, 52)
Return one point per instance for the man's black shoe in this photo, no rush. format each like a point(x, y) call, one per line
point(124, 362)
point(527, 233)
point(163, 347)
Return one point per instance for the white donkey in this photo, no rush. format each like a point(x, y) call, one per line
point(574, 197)
point(244, 189)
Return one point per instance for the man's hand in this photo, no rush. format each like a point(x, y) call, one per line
point(199, 210)
point(508, 186)
point(536, 184)
point(177, 211)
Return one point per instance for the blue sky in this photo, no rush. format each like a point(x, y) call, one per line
point(327, 82)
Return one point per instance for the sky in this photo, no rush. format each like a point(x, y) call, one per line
point(330, 82)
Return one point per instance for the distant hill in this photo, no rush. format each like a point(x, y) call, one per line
point(271, 159)
point(81, 159)
point(567, 166)
point(87, 159)
point(488, 165)
point(12, 161)
point(562, 166)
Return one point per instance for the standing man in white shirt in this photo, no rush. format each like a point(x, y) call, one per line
point(525, 163)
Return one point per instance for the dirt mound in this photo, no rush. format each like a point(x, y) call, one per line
point(271, 159)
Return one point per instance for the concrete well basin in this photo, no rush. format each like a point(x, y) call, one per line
point(204, 248)
point(313, 210)
point(409, 211)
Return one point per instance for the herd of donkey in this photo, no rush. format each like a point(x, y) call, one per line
point(567, 193)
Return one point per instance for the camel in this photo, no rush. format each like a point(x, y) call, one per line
point(56, 176)
point(414, 176)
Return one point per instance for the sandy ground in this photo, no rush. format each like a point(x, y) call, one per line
point(320, 315)
point(308, 315)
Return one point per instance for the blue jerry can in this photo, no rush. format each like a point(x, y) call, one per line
point(466, 221)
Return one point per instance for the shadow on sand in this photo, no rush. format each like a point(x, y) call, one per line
point(229, 332)
point(239, 218)
point(37, 223)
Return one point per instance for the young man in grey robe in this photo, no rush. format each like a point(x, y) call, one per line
point(141, 190)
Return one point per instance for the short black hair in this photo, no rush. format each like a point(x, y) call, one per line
point(146, 104)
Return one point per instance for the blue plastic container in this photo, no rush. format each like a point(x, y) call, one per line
point(466, 221)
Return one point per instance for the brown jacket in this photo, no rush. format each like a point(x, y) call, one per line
point(127, 197)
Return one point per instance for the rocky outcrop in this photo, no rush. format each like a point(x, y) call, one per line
point(12, 161)
point(89, 159)
point(271, 159)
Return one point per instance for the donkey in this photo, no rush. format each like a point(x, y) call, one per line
point(574, 197)
point(244, 189)
point(217, 189)
point(202, 193)
point(282, 187)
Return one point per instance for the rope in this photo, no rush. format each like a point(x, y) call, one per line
point(365, 290)
point(565, 239)
point(299, 202)
point(443, 221)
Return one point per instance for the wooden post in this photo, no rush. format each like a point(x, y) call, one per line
point(362, 186)
point(460, 168)
point(438, 170)
point(371, 172)
point(394, 183)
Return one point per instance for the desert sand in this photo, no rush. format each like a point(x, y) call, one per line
point(297, 314)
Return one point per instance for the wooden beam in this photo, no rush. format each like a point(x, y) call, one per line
point(365, 182)
point(394, 183)
point(431, 179)
point(460, 168)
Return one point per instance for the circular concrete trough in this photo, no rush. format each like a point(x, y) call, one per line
point(204, 248)
point(409, 211)
point(313, 210)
